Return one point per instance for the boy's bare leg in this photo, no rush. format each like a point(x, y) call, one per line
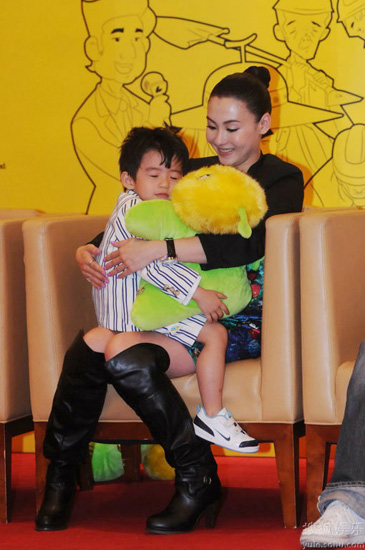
point(213, 422)
point(211, 365)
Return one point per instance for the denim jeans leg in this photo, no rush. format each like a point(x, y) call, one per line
point(350, 452)
point(348, 480)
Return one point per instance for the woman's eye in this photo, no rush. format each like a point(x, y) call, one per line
point(232, 130)
point(211, 127)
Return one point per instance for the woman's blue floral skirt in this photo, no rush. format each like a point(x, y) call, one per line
point(244, 328)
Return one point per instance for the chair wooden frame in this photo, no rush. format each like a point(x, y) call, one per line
point(9, 430)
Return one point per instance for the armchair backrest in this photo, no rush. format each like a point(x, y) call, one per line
point(333, 308)
point(281, 342)
point(14, 382)
point(17, 213)
point(58, 297)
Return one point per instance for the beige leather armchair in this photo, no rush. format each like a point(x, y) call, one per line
point(333, 326)
point(264, 394)
point(15, 412)
point(17, 213)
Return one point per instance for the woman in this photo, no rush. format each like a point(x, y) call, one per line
point(238, 117)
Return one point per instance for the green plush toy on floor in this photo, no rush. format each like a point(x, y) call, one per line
point(107, 462)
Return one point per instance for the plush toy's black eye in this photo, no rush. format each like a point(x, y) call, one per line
point(204, 176)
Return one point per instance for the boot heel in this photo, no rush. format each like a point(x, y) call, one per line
point(211, 514)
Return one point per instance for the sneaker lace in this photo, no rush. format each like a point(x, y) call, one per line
point(232, 425)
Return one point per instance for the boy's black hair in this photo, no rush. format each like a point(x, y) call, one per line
point(140, 140)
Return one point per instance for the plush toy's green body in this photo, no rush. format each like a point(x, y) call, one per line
point(152, 308)
point(218, 199)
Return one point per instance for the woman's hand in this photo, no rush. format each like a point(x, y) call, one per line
point(132, 255)
point(91, 270)
point(210, 303)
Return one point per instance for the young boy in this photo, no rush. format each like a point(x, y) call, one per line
point(151, 162)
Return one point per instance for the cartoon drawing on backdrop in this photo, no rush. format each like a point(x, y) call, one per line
point(308, 111)
point(302, 27)
point(351, 13)
point(117, 46)
point(341, 181)
point(289, 117)
point(305, 138)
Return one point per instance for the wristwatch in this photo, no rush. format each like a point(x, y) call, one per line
point(170, 257)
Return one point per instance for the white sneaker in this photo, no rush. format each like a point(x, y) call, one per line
point(338, 526)
point(224, 431)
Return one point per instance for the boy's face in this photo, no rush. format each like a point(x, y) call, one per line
point(153, 180)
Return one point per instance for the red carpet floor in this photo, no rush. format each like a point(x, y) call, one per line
point(112, 516)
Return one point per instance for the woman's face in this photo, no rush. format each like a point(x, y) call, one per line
point(234, 133)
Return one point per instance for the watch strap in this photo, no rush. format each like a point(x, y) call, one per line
point(171, 252)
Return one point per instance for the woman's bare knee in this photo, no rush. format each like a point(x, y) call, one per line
point(121, 342)
point(97, 338)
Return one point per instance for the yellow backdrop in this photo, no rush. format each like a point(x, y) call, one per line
point(77, 75)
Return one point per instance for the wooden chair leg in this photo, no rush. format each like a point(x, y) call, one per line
point(131, 455)
point(5, 473)
point(286, 441)
point(7, 431)
point(287, 463)
point(318, 440)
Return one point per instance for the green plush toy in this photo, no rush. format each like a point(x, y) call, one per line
point(215, 199)
point(106, 461)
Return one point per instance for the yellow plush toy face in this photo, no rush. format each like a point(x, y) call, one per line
point(219, 199)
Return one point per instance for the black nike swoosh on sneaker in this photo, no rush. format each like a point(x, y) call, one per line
point(224, 437)
point(198, 422)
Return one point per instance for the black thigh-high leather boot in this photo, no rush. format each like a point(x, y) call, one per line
point(76, 408)
point(138, 375)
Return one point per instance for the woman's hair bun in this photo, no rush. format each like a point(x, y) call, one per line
point(262, 73)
